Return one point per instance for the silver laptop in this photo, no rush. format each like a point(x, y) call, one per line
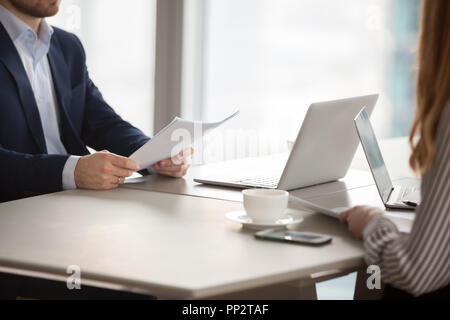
point(395, 197)
point(322, 152)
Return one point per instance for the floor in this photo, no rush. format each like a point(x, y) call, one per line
point(337, 289)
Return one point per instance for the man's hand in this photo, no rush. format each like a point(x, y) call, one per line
point(175, 167)
point(358, 217)
point(103, 171)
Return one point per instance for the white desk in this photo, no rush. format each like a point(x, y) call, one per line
point(173, 245)
point(168, 245)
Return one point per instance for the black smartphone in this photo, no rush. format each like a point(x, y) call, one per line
point(309, 238)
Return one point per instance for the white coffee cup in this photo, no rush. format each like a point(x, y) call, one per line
point(265, 205)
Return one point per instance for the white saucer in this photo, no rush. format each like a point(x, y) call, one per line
point(290, 217)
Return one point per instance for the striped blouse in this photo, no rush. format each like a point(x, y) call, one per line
point(418, 262)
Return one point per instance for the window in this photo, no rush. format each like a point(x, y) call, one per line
point(271, 59)
point(119, 39)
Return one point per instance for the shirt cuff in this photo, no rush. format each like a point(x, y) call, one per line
point(377, 235)
point(377, 224)
point(68, 174)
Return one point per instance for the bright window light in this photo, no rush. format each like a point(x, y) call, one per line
point(119, 41)
point(272, 59)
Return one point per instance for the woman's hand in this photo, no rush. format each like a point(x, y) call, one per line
point(358, 217)
point(176, 167)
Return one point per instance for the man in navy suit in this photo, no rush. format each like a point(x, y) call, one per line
point(50, 111)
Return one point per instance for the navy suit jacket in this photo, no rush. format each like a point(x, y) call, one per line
point(85, 118)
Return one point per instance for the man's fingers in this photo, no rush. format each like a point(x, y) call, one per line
point(113, 180)
point(165, 163)
point(176, 166)
point(123, 162)
point(172, 168)
point(174, 171)
point(119, 172)
point(183, 156)
point(107, 182)
point(177, 161)
point(186, 152)
point(168, 163)
point(176, 174)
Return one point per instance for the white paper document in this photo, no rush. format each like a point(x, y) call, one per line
point(334, 213)
point(173, 138)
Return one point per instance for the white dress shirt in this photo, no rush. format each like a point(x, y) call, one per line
point(33, 51)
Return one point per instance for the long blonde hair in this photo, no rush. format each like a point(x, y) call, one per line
point(433, 81)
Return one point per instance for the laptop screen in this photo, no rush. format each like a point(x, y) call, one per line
point(373, 154)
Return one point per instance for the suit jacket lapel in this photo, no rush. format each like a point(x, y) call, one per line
point(61, 81)
point(12, 61)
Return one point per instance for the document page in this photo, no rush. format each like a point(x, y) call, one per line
point(173, 138)
point(334, 213)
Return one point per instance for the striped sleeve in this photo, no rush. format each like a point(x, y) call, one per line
point(418, 262)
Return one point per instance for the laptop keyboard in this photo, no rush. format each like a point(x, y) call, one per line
point(270, 182)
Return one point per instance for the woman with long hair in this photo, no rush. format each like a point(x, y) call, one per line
point(418, 264)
